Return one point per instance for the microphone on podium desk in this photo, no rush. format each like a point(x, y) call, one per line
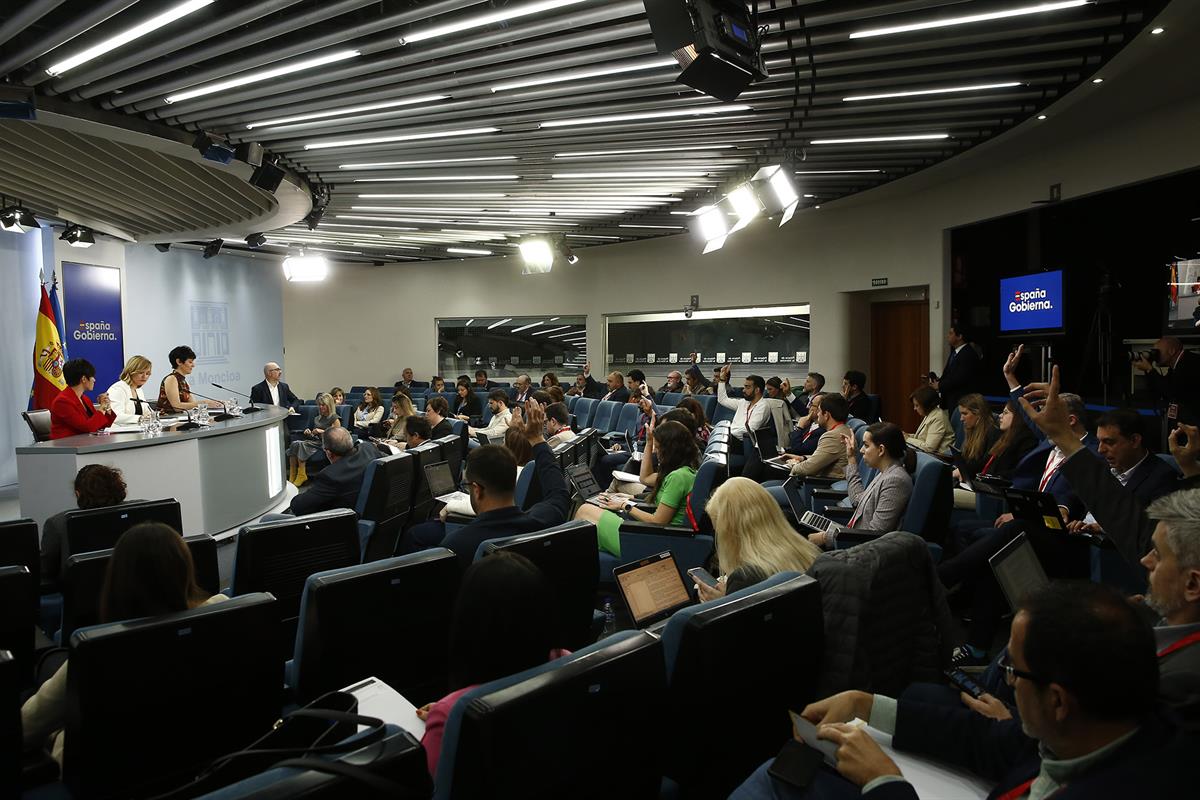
point(224, 415)
point(253, 408)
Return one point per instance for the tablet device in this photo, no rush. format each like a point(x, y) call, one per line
point(1018, 570)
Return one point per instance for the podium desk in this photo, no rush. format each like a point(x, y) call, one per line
point(223, 475)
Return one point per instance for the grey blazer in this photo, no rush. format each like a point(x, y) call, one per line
point(879, 506)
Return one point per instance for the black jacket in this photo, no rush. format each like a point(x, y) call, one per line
point(960, 376)
point(860, 407)
point(1155, 762)
point(443, 428)
point(470, 407)
point(337, 485)
point(261, 393)
point(1180, 385)
point(551, 510)
point(599, 390)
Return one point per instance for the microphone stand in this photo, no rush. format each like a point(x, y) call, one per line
point(252, 409)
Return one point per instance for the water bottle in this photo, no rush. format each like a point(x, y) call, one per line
point(610, 619)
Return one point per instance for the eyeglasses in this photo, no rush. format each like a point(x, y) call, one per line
point(1011, 673)
point(465, 486)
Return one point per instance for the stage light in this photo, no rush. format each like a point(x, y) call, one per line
point(78, 236)
point(745, 205)
point(17, 219)
point(566, 252)
point(162, 247)
point(713, 228)
point(538, 256)
point(485, 19)
point(213, 149)
point(304, 268)
point(126, 36)
point(775, 192)
point(213, 247)
point(964, 20)
point(262, 75)
point(256, 240)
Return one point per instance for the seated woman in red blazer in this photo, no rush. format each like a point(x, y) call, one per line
point(72, 412)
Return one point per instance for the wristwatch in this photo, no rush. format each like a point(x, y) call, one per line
point(630, 504)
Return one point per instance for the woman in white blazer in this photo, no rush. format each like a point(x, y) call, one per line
point(126, 394)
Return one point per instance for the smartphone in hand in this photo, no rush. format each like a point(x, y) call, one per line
point(701, 575)
point(963, 682)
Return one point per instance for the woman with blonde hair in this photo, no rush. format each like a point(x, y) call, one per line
point(126, 396)
point(301, 450)
point(980, 433)
point(753, 534)
point(402, 409)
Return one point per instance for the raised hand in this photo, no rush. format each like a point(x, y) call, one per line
point(1188, 453)
point(1052, 418)
point(1010, 366)
point(535, 422)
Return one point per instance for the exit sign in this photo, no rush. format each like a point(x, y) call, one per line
point(879, 281)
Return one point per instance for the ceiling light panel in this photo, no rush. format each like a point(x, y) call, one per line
point(560, 76)
point(979, 87)
point(481, 20)
point(342, 112)
point(261, 75)
point(126, 36)
point(1016, 11)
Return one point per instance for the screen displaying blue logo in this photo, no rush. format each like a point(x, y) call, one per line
point(1031, 302)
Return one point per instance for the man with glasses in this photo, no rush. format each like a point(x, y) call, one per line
point(1084, 673)
point(749, 413)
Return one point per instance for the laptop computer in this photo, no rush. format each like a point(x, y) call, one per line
point(652, 589)
point(1039, 510)
point(809, 519)
point(990, 485)
point(441, 483)
point(1018, 570)
point(584, 481)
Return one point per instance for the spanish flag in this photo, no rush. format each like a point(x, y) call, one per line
point(47, 358)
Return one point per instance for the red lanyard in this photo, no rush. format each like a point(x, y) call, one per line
point(749, 408)
point(1052, 465)
point(1186, 641)
point(1017, 791)
point(988, 465)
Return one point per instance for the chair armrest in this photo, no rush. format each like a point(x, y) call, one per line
point(630, 526)
point(838, 513)
point(829, 494)
point(820, 481)
point(459, 519)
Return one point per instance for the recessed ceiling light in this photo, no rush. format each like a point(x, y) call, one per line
point(485, 19)
point(866, 139)
point(948, 90)
point(965, 20)
point(559, 76)
point(1097, 80)
point(1041, 116)
point(261, 75)
point(339, 112)
point(126, 36)
point(407, 137)
point(499, 322)
point(677, 112)
point(1157, 31)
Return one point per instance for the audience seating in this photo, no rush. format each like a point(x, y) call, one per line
point(626, 419)
point(709, 403)
point(757, 650)
point(397, 757)
point(721, 414)
point(523, 492)
point(99, 528)
point(453, 450)
point(11, 742)
point(389, 619)
point(17, 618)
point(596, 717)
point(604, 420)
point(83, 581)
point(956, 423)
point(150, 701)
point(886, 620)
point(346, 416)
point(641, 539)
point(302, 420)
point(278, 557)
point(384, 503)
point(671, 398)
point(19, 546)
point(39, 424)
point(422, 501)
point(568, 556)
point(585, 410)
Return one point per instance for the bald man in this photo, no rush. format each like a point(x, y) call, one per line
point(1179, 390)
point(272, 391)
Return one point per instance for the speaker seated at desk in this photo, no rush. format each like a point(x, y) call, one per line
point(272, 391)
point(337, 485)
point(174, 394)
point(72, 412)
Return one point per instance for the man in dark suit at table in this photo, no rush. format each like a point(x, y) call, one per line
point(272, 391)
point(337, 485)
point(1179, 389)
point(1082, 732)
point(961, 373)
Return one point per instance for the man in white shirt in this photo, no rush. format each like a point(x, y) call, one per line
point(750, 413)
point(558, 425)
point(498, 402)
point(273, 391)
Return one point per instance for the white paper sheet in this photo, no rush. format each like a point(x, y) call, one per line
point(377, 699)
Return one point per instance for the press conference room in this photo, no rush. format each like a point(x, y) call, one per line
point(600, 398)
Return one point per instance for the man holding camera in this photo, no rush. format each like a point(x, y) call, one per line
point(1179, 389)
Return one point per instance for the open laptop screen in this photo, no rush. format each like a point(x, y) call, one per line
point(584, 480)
point(1018, 570)
point(652, 588)
point(439, 478)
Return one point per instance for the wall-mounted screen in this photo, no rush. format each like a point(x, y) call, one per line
point(1032, 303)
point(1183, 296)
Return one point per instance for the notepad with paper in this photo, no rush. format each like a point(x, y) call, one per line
point(377, 699)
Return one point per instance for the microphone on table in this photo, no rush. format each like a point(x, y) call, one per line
point(253, 408)
point(224, 415)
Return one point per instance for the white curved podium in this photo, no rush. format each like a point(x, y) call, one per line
point(223, 475)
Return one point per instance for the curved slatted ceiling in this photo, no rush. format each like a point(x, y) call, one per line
point(466, 124)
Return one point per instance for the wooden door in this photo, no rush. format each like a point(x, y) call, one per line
point(899, 356)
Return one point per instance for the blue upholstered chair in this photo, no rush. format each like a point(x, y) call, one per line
point(384, 504)
point(604, 419)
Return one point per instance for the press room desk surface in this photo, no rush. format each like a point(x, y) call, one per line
point(223, 475)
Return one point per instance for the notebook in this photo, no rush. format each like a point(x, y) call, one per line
point(652, 589)
point(1018, 570)
point(441, 483)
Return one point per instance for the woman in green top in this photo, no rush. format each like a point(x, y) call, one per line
point(678, 457)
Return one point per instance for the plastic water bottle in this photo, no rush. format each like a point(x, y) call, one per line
point(610, 619)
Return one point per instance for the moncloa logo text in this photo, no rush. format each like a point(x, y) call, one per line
point(1032, 300)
